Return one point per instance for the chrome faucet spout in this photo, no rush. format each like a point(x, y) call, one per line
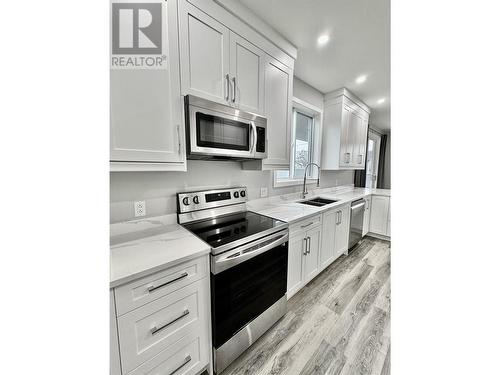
point(304, 188)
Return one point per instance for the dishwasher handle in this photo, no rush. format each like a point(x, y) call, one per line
point(358, 204)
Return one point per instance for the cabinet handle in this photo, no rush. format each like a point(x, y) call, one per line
point(227, 86)
point(305, 226)
point(304, 248)
point(153, 288)
point(308, 245)
point(234, 89)
point(155, 329)
point(360, 157)
point(340, 220)
point(179, 139)
point(186, 360)
point(347, 157)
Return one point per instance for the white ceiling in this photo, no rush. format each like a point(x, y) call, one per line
point(359, 45)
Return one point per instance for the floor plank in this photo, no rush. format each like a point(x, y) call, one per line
point(337, 324)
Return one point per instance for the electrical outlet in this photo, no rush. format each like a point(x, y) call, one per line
point(140, 208)
point(263, 192)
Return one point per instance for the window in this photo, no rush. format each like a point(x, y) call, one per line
point(306, 132)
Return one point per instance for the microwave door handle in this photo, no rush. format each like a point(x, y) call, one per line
point(254, 141)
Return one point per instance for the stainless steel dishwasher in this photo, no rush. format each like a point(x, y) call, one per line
point(356, 227)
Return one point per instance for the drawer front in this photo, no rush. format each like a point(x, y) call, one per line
point(137, 293)
point(189, 355)
point(150, 329)
point(307, 223)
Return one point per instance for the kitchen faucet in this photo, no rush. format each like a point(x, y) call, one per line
point(304, 188)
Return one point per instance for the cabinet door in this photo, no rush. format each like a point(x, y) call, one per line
point(366, 217)
point(346, 135)
point(146, 107)
point(114, 355)
point(342, 230)
point(388, 231)
point(247, 75)
point(379, 215)
point(278, 109)
point(363, 139)
point(296, 248)
point(328, 239)
point(204, 55)
point(311, 260)
point(358, 127)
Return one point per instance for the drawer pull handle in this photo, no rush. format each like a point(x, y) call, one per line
point(155, 330)
point(186, 361)
point(153, 288)
point(305, 226)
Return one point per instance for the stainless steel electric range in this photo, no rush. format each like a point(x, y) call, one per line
point(249, 260)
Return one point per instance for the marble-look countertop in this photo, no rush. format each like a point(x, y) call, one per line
point(287, 208)
point(142, 247)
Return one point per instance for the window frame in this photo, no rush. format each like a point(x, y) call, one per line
point(299, 105)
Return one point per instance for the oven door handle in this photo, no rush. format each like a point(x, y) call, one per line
point(236, 256)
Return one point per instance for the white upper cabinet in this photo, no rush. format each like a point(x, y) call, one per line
point(204, 44)
point(247, 75)
point(146, 110)
point(278, 110)
point(345, 131)
point(218, 64)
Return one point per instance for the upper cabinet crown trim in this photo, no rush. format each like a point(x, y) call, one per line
point(260, 26)
point(332, 96)
point(230, 16)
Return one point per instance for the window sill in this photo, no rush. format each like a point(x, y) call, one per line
point(285, 183)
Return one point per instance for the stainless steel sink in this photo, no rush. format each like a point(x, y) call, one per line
point(318, 202)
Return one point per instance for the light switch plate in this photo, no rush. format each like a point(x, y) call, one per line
point(263, 192)
point(140, 208)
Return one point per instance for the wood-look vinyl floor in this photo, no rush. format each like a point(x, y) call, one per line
point(337, 324)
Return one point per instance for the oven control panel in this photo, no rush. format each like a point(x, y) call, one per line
point(202, 200)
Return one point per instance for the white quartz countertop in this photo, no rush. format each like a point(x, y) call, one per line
point(142, 247)
point(287, 208)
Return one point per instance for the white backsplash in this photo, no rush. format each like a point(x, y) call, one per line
point(159, 189)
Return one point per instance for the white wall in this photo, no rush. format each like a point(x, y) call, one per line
point(307, 93)
point(158, 189)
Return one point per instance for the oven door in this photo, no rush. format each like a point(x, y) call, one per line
point(245, 282)
point(219, 134)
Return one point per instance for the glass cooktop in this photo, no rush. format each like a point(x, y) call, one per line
point(229, 228)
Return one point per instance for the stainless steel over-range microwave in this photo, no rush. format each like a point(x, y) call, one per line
point(216, 131)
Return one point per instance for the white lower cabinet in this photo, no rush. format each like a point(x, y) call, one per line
point(366, 216)
point(342, 221)
point(114, 351)
point(327, 253)
point(380, 215)
point(335, 235)
point(303, 253)
point(169, 333)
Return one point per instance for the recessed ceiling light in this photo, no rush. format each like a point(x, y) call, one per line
point(323, 39)
point(381, 100)
point(361, 79)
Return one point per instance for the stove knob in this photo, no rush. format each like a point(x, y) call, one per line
point(243, 193)
point(185, 201)
point(196, 200)
point(236, 194)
